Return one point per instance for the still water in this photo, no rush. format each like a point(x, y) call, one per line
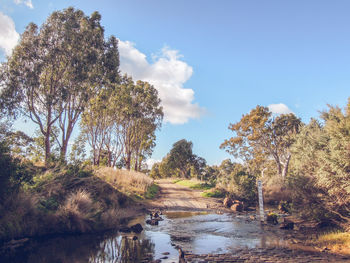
point(196, 232)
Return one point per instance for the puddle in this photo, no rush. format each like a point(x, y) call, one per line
point(197, 232)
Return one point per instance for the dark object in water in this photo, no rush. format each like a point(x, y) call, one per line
point(152, 222)
point(136, 228)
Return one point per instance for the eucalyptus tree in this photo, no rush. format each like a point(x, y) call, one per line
point(121, 121)
point(138, 114)
point(55, 70)
point(260, 136)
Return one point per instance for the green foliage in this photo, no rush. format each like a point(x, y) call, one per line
point(181, 162)
point(13, 172)
point(260, 136)
point(180, 157)
point(54, 71)
point(152, 191)
point(245, 186)
point(194, 184)
point(216, 193)
point(120, 123)
point(78, 153)
point(321, 167)
point(49, 204)
point(154, 173)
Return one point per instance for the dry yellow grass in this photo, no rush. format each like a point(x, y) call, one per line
point(338, 242)
point(124, 180)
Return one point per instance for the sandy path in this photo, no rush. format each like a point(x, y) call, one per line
point(177, 197)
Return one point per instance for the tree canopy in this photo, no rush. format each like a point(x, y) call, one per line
point(55, 70)
point(259, 136)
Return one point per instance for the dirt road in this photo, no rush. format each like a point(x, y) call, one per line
point(176, 197)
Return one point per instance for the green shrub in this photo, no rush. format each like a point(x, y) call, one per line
point(152, 191)
point(49, 204)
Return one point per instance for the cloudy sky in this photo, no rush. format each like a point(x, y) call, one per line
point(213, 61)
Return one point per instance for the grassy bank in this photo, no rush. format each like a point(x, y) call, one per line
point(336, 241)
point(73, 200)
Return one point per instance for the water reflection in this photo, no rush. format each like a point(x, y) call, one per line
point(123, 249)
point(82, 249)
point(199, 233)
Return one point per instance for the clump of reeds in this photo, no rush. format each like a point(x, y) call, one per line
point(78, 212)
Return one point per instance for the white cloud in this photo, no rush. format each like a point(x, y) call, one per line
point(168, 74)
point(8, 34)
point(151, 162)
point(28, 3)
point(279, 108)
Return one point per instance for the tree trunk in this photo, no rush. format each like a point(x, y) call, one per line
point(128, 161)
point(285, 167)
point(47, 139)
point(47, 148)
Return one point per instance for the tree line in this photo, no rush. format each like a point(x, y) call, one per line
point(304, 166)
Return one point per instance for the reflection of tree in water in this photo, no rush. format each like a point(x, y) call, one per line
point(123, 249)
point(67, 249)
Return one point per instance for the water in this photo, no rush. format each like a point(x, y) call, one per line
point(199, 233)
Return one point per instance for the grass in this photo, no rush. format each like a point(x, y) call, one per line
point(336, 241)
point(214, 193)
point(195, 184)
point(71, 200)
point(131, 183)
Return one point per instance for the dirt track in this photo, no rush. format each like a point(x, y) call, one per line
point(176, 197)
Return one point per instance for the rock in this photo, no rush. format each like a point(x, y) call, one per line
point(289, 225)
point(272, 218)
point(237, 207)
point(136, 228)
point(227, 202)
point(152, 222)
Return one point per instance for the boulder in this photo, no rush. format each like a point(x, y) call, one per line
point(272, 218)
point(152, 222)
point(227, 202)
point(136, 228)
point(237, 207)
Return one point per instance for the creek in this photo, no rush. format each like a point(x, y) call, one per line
point(198, 232)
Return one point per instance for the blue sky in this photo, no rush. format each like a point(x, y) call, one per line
point(213, 61)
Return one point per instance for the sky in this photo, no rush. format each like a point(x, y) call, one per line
point(213, 61)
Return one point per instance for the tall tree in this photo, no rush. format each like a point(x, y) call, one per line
point(122, 120)
point(55, 70)
point(181, 157)
point(260, 135)
point(138, 114)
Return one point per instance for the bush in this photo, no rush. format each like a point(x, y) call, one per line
point(78, 212)
point(244, 187)
point(12, 172)
point(308, 199)
point(152, 191)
